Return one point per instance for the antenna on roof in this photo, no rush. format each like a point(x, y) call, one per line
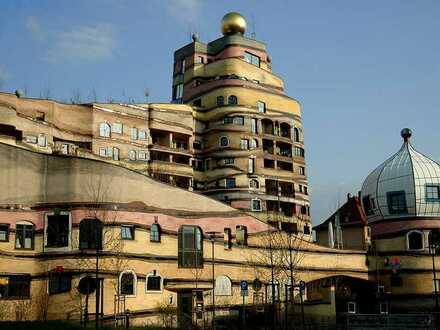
point(253, 33)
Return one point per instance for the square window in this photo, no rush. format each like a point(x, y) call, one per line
point(57, 231)
point(432, 192)
point(59, 283)
point(4, 232)
point(24, 236)
point(261, 106)
point(244, 144)
point(127, 232)
point(117, 128)
point(397, 202)
point(154, 283)
point(230, 182)
point(256, 205)
point(142, 134)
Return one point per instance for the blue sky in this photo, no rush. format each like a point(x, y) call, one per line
point(362, 70)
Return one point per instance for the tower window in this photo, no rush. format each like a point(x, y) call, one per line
point(232, 99)
point(432, 192)
point(252, 59)
point(397, 202)
point(367, 205)
point(256, 205)
point(261, 106)
point(220, 100)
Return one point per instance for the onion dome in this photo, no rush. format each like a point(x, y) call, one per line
point(406, 185)
point(233, 23)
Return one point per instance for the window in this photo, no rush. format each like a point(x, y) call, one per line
point(228, 161)
point(415, 240)
point(256, 205)
point(59, 282)
point(254, 184)
point(306, 230)
point(396, 202)
point(154, 282)
point(15, 286)
point(296, 134)
point(200, 59)
point(351, 307)
point(197, 145)
point(142, 134)
point(31, 139)
point(241, 235)
point(432, 192)
point(4, 232)
point(182, 66)
point(65, 149)
point(155, 232)
point(220, 101)
point(104, 129)
point(115, 153)
point(90, 234)
point(261, 106)
point(232, 99)
point(142, 155)
point(367, 205)
point(436, 285)
point(117, 128)
point(127, 232)
point(132, 154)
point(178, 92)
point(224, 141)
point(24, 235)
point(230, 182)
point(103, 152)
point(254, 128)
point(253, 143)
point(42, 141)
point(252, 59)
point(57, 231)
point(302, 170)
point(228, 120)
point(383, 308)
point(244, 144)
point(190, 246)
point(134, 133)
point(227, 242)
point(127, 283)
point(238, 120)
point(251, 165)
point(299, 152)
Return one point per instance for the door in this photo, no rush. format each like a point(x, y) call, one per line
point(185, 309)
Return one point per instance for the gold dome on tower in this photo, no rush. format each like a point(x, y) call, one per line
point(233, 23)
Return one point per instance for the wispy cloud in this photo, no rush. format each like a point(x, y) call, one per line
point(83, 43)
point(33, 25)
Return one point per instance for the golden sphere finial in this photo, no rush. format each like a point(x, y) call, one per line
point(233, 23)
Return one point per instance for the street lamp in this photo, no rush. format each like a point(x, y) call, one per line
point(212, 240)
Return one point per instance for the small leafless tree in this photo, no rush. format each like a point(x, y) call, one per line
point(76, 96)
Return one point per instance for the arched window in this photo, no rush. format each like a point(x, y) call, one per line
point(296, 134)
point(232, 99)
point(104, 129)
point(220, 100)
point(24, 235)
point(223, 286)
point(414, 240)
point(90, 234)
point(154, 282)
point(224, 141)
point(253, 143)
point(254, 184)
point(155, 233)
point(190, 246)
point(127, 283)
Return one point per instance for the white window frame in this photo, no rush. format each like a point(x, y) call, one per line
point(252, 205)
point(134, 282)
point(146, 283)
point(353, 309)
point(42, 140)
point(25, 223)
point(117, 128)
point(102, 152)
point(407, 240)
point(105, 129)
point(69, 241)
point(134, 133)
point(116, 153)
point(251, 165)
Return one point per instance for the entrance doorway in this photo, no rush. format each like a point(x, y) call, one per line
point(185, 309)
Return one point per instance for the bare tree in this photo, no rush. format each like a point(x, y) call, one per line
point(76, 97)
point(93, 96)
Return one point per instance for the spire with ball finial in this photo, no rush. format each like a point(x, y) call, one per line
point(405, 133)
point(233, 23)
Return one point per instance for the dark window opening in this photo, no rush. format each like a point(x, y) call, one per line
point(220, 101)
point(230, 182)
point(397, 202)
point(232, 99)
point(90, 234)
point(415, 240)
point(154, 283)
point(306, 230)
point(16, 286)
point(24, 236)
point(4, 232)
point(59, 282)
point(367, 205)
point(57, 231)
point(269, 163)
point(127, 284)
point(227, 238)
point(155, 233)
